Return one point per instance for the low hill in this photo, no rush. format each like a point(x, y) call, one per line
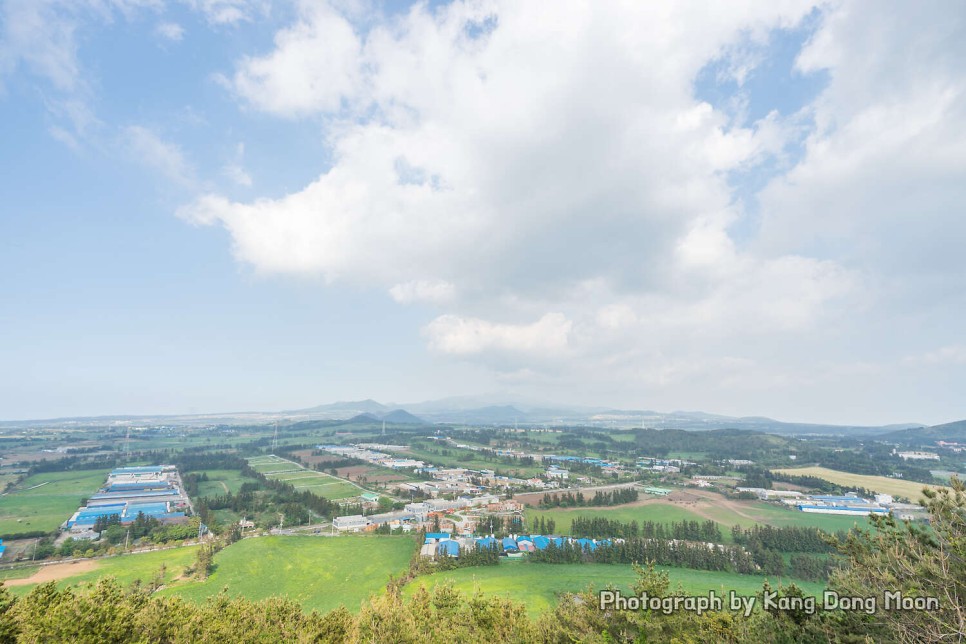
point(954, 432)
point(401, 416)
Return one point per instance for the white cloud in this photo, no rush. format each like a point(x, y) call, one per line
point(461, 336)
point(167, 158)
point(238, 175)
point(954, 354)
point(170, 31)
point(506, 162)
point(315, 65)
point(229, 12)
point(435, 291)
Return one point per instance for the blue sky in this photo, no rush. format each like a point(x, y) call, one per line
point(216, 205)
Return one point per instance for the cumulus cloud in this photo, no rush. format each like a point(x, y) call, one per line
point(469, 336)
point(505, 163)
point(314, 67)
point(170, 31)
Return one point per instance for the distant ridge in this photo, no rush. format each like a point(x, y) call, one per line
point(499, 410)
point(396, 416)
point(954, 432)
point(362, 419)
point(367, 406)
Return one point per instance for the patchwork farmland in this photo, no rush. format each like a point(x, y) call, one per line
point(302, 478)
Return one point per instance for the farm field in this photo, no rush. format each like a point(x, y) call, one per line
point(221, 482)
point(320, 573)
point(318, 483)
point(539, 585)
point(44, 501)
point(126, 568)
point(695, 505)
point(880, 484)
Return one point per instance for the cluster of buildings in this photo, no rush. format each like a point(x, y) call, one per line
point(850, 504)
point(364, 453)
point(422, 514)
point(607, 467)
point(443, 544)
point(916, 456)
point(153, 491)
point(666, 465)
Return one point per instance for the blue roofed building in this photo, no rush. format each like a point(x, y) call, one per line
point(486, 542)
point(448, 548)
point(587, 544)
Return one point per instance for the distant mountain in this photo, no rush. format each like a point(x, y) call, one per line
point(401, 416)
point(367, 406)
point(507, 410)
point(954, 432)
point(363, 419)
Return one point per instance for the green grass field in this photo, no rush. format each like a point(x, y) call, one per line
point(221, 482)
point(18, 573)
point(880, 484)
point(752, 513)
point(540, 585)
point(53, 498)
point(129, 568)
point(318, 572)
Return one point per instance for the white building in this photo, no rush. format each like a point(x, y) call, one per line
point(351, 523)
point(918, 456)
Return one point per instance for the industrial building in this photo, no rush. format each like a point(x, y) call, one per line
point(351, 523)
point(153, 491)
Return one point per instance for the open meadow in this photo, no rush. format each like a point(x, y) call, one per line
point(222, 482)
point(539, 585)
point(44, 501)
point(880, 484)
point(320, 573)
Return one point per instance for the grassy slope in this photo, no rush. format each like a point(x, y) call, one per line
point(129, 568)
point(881, 484)
point(318, 572)
point(539, 585)
point(46, 507)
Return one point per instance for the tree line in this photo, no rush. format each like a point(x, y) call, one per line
point(683, 554)
point(569, 499)
point(601, 528)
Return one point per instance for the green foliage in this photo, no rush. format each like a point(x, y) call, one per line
point(916, 560)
